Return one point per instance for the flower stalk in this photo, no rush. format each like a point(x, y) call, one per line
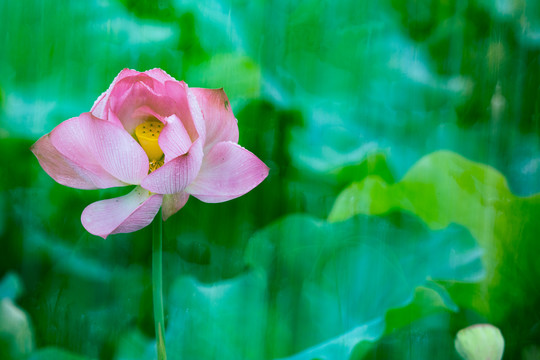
point(157, 286)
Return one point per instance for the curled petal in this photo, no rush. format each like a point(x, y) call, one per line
point(188, 109)
point(174, 139)
point(68, 172)
point(114, 149)
point(228, 171)
point(196, 114)
point(119, 90)
point(100, 107)
point(173, 202)
point(221, 125)
point(145, 112)
point(159, 75)
point(175, 175)
point(124, 214)
point(112, 118)
point(128, 103)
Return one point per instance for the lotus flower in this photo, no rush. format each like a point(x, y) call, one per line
point(155, 132)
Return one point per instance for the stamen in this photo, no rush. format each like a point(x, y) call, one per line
point(154, 165)
point(148, 133)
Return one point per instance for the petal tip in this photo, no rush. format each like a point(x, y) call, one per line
point(124, 214)
point(230, 171)
point(173, 203)
point(88, 225)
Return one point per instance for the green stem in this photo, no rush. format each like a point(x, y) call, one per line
point(157, 286)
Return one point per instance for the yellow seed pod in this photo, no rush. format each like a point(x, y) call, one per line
point(148, 133)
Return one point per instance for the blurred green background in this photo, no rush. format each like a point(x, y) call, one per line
point(401, 205)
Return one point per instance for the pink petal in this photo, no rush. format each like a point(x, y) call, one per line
point(114, 149)
point(72, 141)
point(172, 203)
point(175, 175)
point(120, 90)
point(126, 102)
point(100, 108)
point(188, 109)
point(174, 139)
point(196, 114)
point(69, 173)
point(145, 112)
point(221, 125)
point(123, 214)
point(112, 118)
point(228, 171)
point(159, 75)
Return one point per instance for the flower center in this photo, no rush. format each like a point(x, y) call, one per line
point(148, 133)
